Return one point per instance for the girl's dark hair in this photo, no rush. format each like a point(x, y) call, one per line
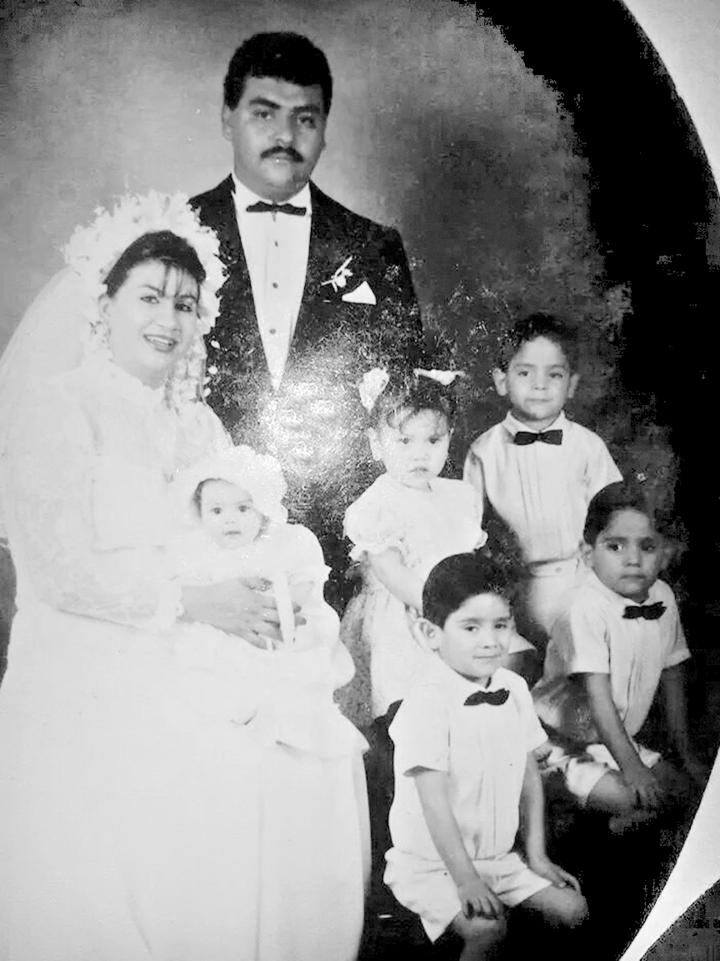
point(164, 246)
point(621, 496)
point(458, 578)
point(410, 395)
point(552, 328)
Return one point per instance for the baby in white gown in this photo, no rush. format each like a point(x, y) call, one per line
point(233, 525)
point(314, 836)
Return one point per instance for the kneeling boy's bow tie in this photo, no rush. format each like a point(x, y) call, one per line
point(261, 207)
point(650, 612)
point(496, 698)
point(524, 437)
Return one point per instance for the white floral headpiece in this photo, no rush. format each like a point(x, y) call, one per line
point(94, 250)
point(258, 474)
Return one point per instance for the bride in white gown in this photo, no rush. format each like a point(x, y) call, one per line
point(127, 833)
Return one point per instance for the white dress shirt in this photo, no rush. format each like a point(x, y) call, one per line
point(276, 250)
point(541, 491)
point(591, 636)
point(482, 749)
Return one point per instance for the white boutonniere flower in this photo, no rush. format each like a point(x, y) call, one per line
point(340, 278)
point(444, 377)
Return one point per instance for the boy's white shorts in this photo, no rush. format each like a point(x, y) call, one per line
point(426, 888)
point(583, 769)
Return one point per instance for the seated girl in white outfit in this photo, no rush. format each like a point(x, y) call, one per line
point(406, 521)
point(312, 790)
point(466, 778)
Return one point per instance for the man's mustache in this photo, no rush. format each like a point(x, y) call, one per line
point(289, 152)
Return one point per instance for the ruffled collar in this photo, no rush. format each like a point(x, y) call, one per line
point(112, 377)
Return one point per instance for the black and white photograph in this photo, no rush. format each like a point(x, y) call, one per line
point(359, 522)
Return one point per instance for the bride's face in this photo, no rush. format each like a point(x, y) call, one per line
point(151, 320)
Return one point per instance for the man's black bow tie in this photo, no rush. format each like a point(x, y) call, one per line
point(261, 207)
point(524, 437)
point(650, 612)
point(496, 698)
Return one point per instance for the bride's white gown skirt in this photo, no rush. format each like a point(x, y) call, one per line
point(130, 830)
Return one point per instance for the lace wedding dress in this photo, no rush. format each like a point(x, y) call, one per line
point(128, 831)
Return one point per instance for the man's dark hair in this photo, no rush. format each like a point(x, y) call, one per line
point(552, 328)
point(164, 246)
point(458, 578)
point(620, 496)
point(283, 56)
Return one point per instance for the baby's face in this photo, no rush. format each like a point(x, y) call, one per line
point(475, 637)
point(227, 514)
point(413, 448)
point(538, 382)
point(627, 555)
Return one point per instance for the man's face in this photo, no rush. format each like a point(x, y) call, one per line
point(277, 132)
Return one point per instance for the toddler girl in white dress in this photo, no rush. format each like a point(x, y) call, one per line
point(407, 521)
point(312, 791)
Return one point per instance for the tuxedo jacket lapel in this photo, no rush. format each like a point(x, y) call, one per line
point(328, 249)
point(237, 321)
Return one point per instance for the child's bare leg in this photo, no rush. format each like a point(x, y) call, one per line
point(612, 795)
point(482, 937)
point(560, 907)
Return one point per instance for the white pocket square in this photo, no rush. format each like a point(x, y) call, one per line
point(361, 295)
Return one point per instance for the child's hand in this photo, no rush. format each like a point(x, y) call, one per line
point(554, 874)
point(645, 786)
point(478, 901)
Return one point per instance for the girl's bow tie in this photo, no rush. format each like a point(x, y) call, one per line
point(496, 698)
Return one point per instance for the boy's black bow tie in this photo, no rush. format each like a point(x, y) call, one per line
point(261, 207)
point(524, 437)
point(496, 698)
point(650, 612)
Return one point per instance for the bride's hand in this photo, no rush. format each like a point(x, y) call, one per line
point(241, 606)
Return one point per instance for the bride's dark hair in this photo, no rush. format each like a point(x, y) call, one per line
point(164, 246)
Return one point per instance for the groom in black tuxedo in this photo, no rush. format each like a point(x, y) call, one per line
point(315, 294)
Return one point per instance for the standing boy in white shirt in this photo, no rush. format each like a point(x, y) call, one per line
point(466, 777)
point(538, 469)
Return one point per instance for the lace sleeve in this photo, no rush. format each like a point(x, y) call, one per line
point(47, 481)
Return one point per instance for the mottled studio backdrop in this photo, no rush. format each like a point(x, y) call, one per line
point(532, 155)
point(436, 126)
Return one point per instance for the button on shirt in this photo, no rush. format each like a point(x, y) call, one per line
point(482, 749)
point(276, 250)
point(541, 491)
